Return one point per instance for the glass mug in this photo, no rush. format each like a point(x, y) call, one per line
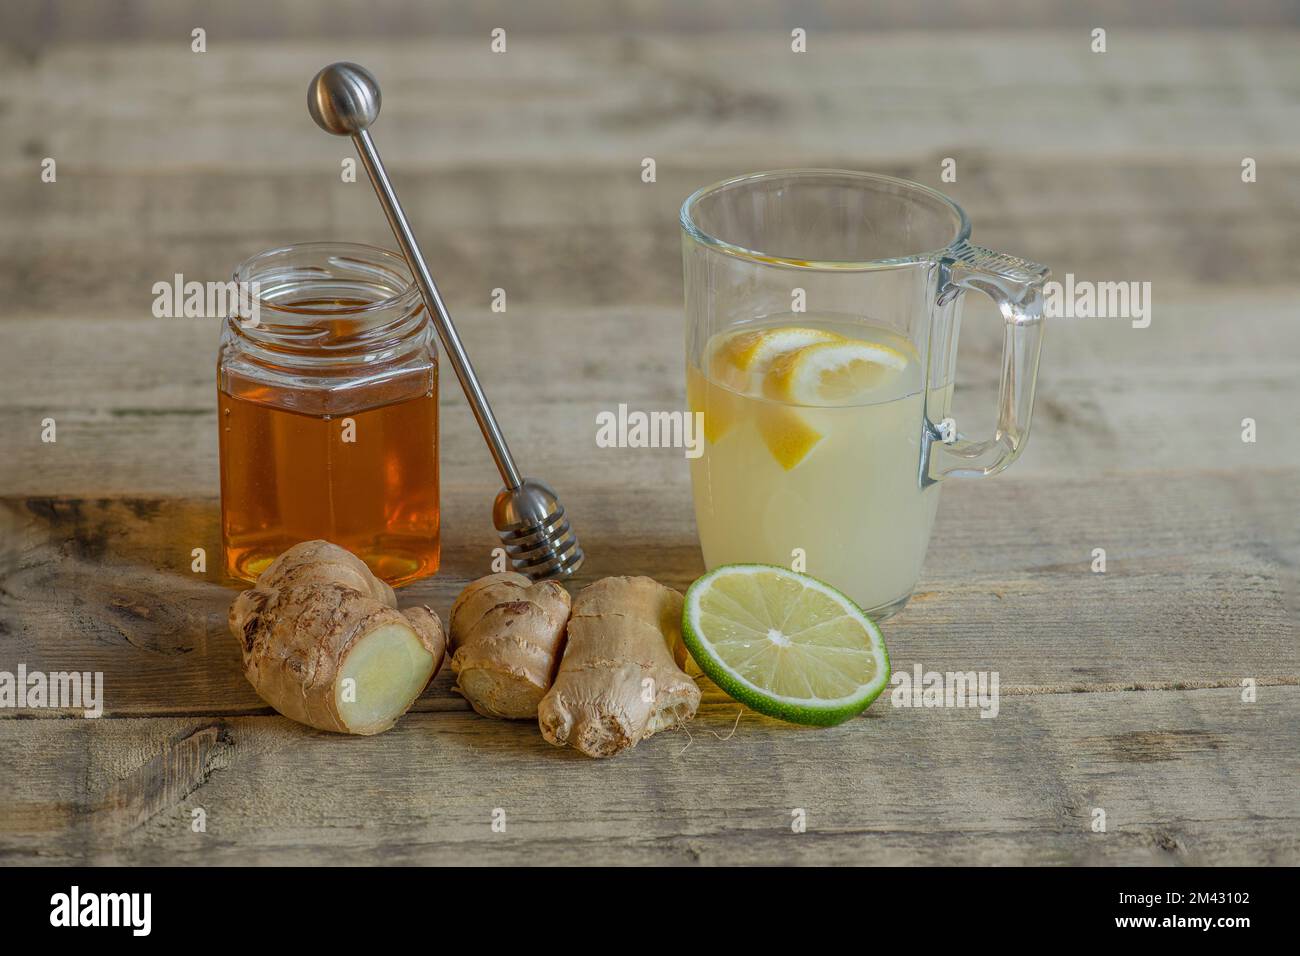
point(822, 316)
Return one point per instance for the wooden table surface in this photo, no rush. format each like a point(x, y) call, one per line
point(1121, 691)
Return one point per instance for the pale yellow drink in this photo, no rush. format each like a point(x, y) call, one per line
point(812, 454)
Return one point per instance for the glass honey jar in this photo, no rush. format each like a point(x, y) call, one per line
point(327, 395)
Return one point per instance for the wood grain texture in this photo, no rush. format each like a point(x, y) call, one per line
point(1184, 777)
point(1200, 587)
point(1120, 691)
point(35, 24)
point(522, 171)
point(564, 236)
point(616, 99)
point(135, 401)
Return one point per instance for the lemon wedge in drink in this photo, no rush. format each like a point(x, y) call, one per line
point(784, 644)
point(719, 406)
point(788, 436)
point(831, 373)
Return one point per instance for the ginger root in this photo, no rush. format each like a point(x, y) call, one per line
point(506, 637)
point(618, 682)
point(320, 562)
point(324, 644)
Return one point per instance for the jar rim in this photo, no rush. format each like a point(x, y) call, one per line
point(320, 255)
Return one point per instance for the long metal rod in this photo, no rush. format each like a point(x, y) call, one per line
point(456, 353)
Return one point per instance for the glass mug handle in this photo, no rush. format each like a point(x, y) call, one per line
point(1016, 286)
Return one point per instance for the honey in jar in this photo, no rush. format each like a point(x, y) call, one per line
point(327, 399)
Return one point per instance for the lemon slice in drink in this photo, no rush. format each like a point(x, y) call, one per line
point(741, 361)
point(785, 644)
point(832, 373)
point(754, 351)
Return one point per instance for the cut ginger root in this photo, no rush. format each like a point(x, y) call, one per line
point(506, 637)
point(324, 644)
point(620, 679)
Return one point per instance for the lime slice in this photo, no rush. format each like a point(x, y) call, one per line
point(832, 373)
point(785, 644)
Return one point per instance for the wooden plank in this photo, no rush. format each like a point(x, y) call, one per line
point(1183, 777)
point(135, 404)
point(38, 24)
point(1200, 587)
point(679, 98)
point(563, 219)
point(588, 233)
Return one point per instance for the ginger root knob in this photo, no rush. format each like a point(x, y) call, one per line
point(324, 644)
point(618, 682)
point(506, 637)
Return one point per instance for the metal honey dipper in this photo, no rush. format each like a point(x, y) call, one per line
point(343, 99)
